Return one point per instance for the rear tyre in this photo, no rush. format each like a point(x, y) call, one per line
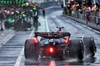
point(76, 49)
point(89, 46)
point(31, 50)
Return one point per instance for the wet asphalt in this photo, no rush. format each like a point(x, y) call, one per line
point(10, 52)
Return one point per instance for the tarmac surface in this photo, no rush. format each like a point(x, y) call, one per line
point(12, 52)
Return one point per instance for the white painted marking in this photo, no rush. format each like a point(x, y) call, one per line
point(43, 24)
point(5, 39)
point(21, 53)
point(96, 31)
point(31, 34)
point(47, 25)
point(19, 58)
point(91, 29)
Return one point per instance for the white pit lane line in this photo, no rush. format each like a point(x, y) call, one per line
point(47, 25)
point(21, 53)
point(91, 28)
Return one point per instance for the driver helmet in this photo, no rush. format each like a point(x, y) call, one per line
point(51, 41)
point(60, 40)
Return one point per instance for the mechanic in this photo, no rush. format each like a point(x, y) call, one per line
point(88, 9)
point(8, 13)
point(1, 17)
point(35, 16)
point(43, 12)
point(12, 13)
point(31, 14)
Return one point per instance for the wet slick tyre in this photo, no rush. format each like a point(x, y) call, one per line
point(31, 49)
point(76, 49)
point(89, 46)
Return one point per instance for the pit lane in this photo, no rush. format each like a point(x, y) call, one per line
point(10, 52)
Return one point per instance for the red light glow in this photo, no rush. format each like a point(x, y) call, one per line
point(66, 65)
point(52, 63)
point(51, 49)
point(67, 40)
point(35, 39)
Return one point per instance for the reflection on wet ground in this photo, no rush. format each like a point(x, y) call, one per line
point(46, 62)
point(87, 61)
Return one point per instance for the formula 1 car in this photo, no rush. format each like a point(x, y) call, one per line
point(58, 45)
point(22, 24)
point(19, 24)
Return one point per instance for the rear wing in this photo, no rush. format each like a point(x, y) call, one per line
point(52, 34)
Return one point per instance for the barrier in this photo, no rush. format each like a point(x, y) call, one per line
point(94, 16)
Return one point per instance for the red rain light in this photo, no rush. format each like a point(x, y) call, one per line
point(51, 49)
point(67, 40)
point(35, 39)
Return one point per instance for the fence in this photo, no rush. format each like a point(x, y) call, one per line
point(94, 16)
